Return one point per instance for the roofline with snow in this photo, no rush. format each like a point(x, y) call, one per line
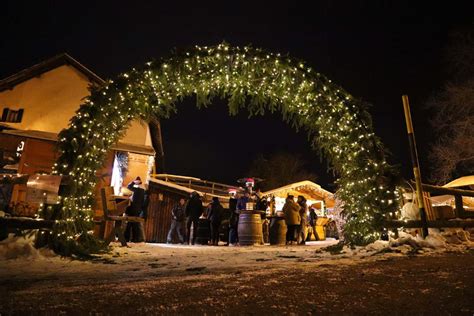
point(299, 184)
point(45, 66)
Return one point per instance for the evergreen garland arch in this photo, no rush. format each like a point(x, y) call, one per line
point(337, 124)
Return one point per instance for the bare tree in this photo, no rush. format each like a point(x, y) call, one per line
point(452, 153)
point(279, 170)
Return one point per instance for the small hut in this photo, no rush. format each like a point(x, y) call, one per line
point(316, 196)
point(165, 190)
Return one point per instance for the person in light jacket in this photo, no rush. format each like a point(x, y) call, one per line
point(292, 218)
point(301, 231)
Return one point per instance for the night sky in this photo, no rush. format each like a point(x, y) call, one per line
point(376, 50)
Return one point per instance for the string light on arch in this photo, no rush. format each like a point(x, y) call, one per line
point(337, 124)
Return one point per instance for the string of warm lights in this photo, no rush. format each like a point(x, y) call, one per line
point(337, 124)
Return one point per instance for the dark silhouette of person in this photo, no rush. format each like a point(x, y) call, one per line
point(215, 216)
point(178, 215)
point(194, 210)
point(136, 208)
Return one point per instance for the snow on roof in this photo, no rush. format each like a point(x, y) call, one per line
point(460, 182)
point(441, 199)
point(47, 65)
point(49, 136)
point(294, 186)
point(185, 189)
point(166, 175)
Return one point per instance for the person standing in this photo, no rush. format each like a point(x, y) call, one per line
point(214, 215)
point(193, 211)
point(177, 221)
point(313, 219)
point(292, 218)
point(233, 221)
point(136, 208)
point(301, 233)
point(242, 201)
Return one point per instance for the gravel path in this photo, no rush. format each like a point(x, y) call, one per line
point(429, 284)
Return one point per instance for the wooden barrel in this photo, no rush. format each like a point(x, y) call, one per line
point(321, 231)
point(277, 231)
point(250, 228)
point(203, 231)
point(321, 227)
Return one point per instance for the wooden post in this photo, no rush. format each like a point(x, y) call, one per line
point(459, 206)
point(416, 166)
point(157, 141)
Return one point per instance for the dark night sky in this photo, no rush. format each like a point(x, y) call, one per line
point(376, 50)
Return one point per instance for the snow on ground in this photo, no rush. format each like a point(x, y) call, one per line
point(21, 247)
point(19, 260)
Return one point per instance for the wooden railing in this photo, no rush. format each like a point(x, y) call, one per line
point(197, 184)
point(463, 218)
point(457, 193)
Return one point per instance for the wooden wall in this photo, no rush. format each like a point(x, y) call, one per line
point(158, 220)
point(38, 156)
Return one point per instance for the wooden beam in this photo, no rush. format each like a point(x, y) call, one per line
point(446, 191)
point(415, 163)
point(25, 223)
point(13, 179)
point(431, 224)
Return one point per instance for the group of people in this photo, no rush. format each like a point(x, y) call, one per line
point(189, 214)
point(186, 214)
point(297, 220)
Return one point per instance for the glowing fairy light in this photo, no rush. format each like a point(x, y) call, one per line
point(335, 121)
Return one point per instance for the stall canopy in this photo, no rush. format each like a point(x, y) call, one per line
point(468, 202)
point(312, 192)
point(461, 182)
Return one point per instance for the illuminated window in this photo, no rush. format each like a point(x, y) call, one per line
point(12, 116)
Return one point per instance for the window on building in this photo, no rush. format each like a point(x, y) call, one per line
point(11, 116)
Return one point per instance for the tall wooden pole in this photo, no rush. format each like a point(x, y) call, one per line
point(416, 166)
point(157, 142)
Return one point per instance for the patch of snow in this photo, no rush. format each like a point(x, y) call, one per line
point(20, 260)
point(378, 245)
point(14, 247)
point(455, 239)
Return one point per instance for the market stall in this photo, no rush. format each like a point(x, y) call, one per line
point(165, 190)
point(321, 200)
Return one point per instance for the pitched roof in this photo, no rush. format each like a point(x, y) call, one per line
point(296, 185)
point(460, 182)
point(139, 149)
point(306, 188)
point(47, 65)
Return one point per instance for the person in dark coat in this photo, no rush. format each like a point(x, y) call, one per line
point(242, 201)
point(313, 218)
point(194, 210)
point(214, 215)
point(178, 215)
point(136, 208)
point(261, 203)
point(233, 221)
